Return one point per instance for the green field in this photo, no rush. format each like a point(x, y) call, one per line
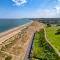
point(52, 37)
point(41, 49)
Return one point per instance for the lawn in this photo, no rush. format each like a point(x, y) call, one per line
point(41, 49)
point(52, 37)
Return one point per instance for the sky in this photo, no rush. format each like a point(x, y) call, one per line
point(29, 8)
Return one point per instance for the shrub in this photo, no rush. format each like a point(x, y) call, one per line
point(48, 25)
point(8, 58)
point(58, 25)
point(58, 32)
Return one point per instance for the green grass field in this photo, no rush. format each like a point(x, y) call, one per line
point(52, 37)
point(41, 49)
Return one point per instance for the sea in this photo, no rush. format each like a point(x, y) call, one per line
point(6, 24)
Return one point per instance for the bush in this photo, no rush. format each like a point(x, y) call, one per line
point(48, 25)
point(8, 58)
point(58, 32)
point(58, 25)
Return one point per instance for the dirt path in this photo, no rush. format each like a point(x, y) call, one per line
point(56, 51)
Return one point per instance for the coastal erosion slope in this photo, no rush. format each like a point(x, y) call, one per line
point(18, 46)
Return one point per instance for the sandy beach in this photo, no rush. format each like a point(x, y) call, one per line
point(19, 48)
point(12, 32)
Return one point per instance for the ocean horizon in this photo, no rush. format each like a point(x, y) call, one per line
point(6, 24)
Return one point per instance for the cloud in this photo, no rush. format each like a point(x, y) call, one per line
point(46, 13)
point(57, 9)
point(41, 13)
point(19, 2)
point(58, 0)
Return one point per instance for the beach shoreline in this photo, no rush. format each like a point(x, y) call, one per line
point(15, 28)
point(18, 46)
point(7, 34)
